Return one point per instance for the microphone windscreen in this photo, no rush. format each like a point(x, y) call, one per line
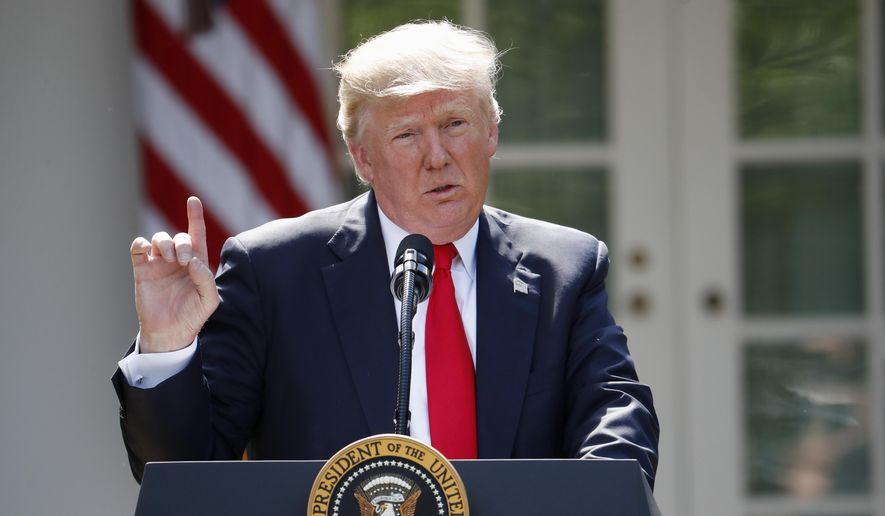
point(419, 243)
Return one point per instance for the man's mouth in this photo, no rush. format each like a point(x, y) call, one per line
point(442, 189)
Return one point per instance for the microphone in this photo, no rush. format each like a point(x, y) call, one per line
point(410, 282)
point(414, 257)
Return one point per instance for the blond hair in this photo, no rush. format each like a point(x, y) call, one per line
point(416, 58)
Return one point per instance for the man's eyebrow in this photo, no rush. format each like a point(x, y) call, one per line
point(459, 108)
point(401, 123)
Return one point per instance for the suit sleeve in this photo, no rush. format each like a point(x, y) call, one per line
point(611, 414)
point(208, 410)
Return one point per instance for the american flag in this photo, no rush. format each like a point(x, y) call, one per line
point(228, 108)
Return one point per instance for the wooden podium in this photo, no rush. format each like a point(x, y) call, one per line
point(560, 487)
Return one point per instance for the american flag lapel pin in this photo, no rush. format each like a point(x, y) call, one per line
point(520, 286)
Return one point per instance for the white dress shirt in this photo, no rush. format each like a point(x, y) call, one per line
point(150, 369)
point(464, 278)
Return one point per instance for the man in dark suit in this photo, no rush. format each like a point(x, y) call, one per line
point(297, 354)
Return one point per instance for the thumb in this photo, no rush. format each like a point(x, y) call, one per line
point(204, 281)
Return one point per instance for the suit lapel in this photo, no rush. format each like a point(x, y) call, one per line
point(364, 313)
point(365, 318)
point(508, 297)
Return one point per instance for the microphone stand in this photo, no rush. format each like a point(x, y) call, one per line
point(402, 416)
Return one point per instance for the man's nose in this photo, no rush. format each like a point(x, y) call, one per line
point(436, 156)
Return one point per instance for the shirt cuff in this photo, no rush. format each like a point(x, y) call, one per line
point(147, 370)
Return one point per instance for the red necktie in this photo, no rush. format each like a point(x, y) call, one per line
point(451, 391)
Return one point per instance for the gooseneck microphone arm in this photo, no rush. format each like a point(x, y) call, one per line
point(410, 283)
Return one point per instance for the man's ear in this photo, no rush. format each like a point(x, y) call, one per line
point(493, 139)
point(361, 161)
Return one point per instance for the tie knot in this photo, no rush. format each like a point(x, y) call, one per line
point(443, 255)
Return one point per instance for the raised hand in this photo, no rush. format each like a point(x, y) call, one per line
point(175, 290)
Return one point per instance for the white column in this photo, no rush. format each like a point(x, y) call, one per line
point(68, 196)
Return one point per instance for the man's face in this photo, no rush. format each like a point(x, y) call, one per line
point(427, 158)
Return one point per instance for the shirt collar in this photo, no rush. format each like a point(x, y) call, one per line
point(466, 245)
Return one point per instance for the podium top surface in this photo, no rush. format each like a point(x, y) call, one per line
point(494, 487)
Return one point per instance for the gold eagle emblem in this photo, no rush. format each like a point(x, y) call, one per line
point(387, 495)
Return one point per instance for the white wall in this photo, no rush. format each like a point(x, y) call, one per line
point(68, 189)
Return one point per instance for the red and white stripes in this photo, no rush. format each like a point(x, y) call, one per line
point(232, 114)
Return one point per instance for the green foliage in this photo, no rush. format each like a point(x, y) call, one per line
point(805, 415)
point(799, 68)
point(553, 86)
point(802, 251)
point(574, 198)
point(366, 18)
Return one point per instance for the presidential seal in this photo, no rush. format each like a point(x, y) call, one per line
point(387, 475)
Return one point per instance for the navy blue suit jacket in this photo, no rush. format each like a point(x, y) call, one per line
point(300, 358)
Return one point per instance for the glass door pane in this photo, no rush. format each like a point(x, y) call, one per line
point(554, 77)
point(799, 68)
point(576, 198)
point(801, 239)
point(806, 417)
point(362, 19)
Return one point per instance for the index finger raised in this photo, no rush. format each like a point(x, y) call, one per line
point(196, 227)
